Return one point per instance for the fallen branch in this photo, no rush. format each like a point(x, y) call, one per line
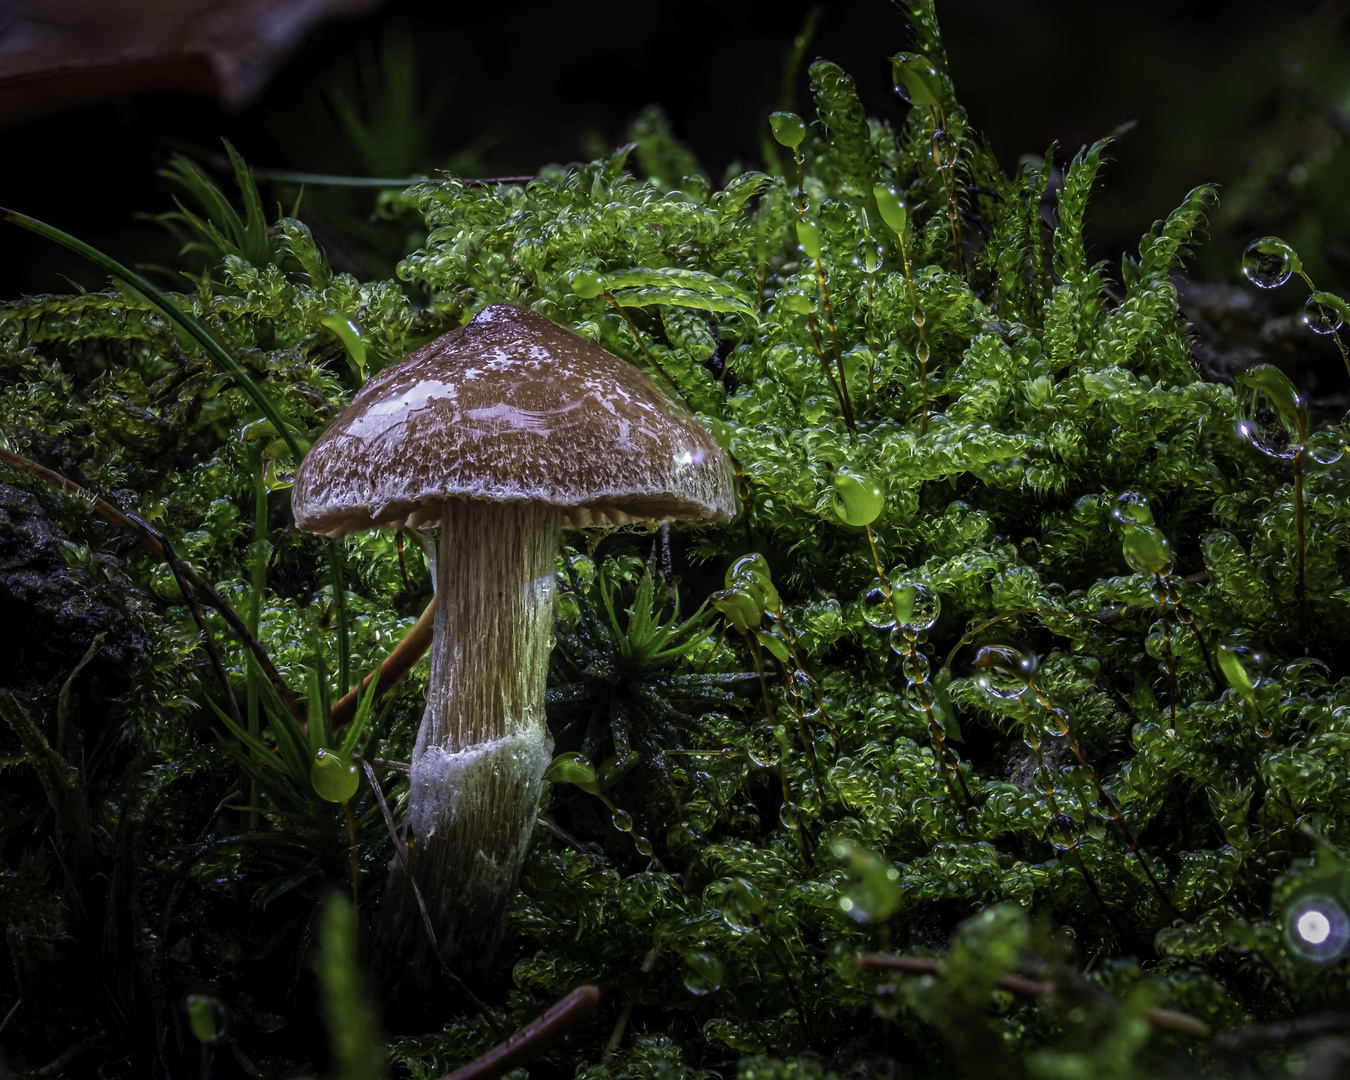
point(533, 1039)
point(396, 665)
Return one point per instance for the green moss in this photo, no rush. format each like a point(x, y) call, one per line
point(878, 761)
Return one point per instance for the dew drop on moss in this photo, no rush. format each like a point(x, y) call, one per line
point(742, 904)
point(788, 129)
point(1146, 550)
point(942, 150)
point(916, 607)
point(1132, 509)
point(1269, 262)
point(1321, 320)
point(869, 257)
point(702, 972)
point(335, 776)
point(876, 607)
point(1316, 928)
point(206, 1017)
point(858, 499)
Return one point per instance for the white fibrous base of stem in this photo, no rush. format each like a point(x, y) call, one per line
point(483, 745)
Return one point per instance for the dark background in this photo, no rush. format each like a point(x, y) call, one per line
point(1244, 94)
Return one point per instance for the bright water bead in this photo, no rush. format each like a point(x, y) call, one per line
point(1269, 262)
point(1316, 928)
point(870, 254)
point(1132, 509)
point(1146, 550)
point(858, 499)
point(335, 776)
point(587, 284)
point(1321, 318)
point(742, 905)
point(788, 129)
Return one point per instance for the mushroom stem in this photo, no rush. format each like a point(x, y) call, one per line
point(483, 745)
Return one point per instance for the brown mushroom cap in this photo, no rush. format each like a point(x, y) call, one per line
point(511, 408)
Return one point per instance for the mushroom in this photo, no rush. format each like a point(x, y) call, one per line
point(499, 434)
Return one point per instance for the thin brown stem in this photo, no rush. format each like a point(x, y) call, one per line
point(1299, 525)
point(1171, 669)
point(945, 755)
point(533, 1039)
point(1166, 1019)
point(637, 334)
point(921, 347)
point(1060, 821)
point(1102, 795)
point(825, 365)
point(844, 401)
point(944, 157)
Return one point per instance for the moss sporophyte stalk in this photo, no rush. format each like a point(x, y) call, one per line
point(1001, 731)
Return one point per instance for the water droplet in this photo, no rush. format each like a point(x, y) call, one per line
point(1319, 319)
point(206, 1017)
point(1268, 381)
point(788, 129)
point(1269, 262)
point(787, 814)
point(858, 499)
point(643, 845)
point(1132, 509)
point(587, 285)
point(1005, 671)
point(916, 79)
point(1316, 928)
point(742, 904)
point(335, 776)
point(796, 302)
point(702, 972)
point(944, 151)
point(1271, 441)
point(876, 607)
point(869, 257)
point(916, 606)
point(623, 820)
point(1146, 550)
point(763, 750)
point(1325, 447)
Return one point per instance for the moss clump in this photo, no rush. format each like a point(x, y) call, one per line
point(1025, 656)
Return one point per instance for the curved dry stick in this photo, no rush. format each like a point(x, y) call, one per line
point(153, 539)
point(1167, 1019)
point(396, 665)
point(533, 1039)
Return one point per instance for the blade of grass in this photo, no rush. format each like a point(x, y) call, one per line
point(187, 321)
